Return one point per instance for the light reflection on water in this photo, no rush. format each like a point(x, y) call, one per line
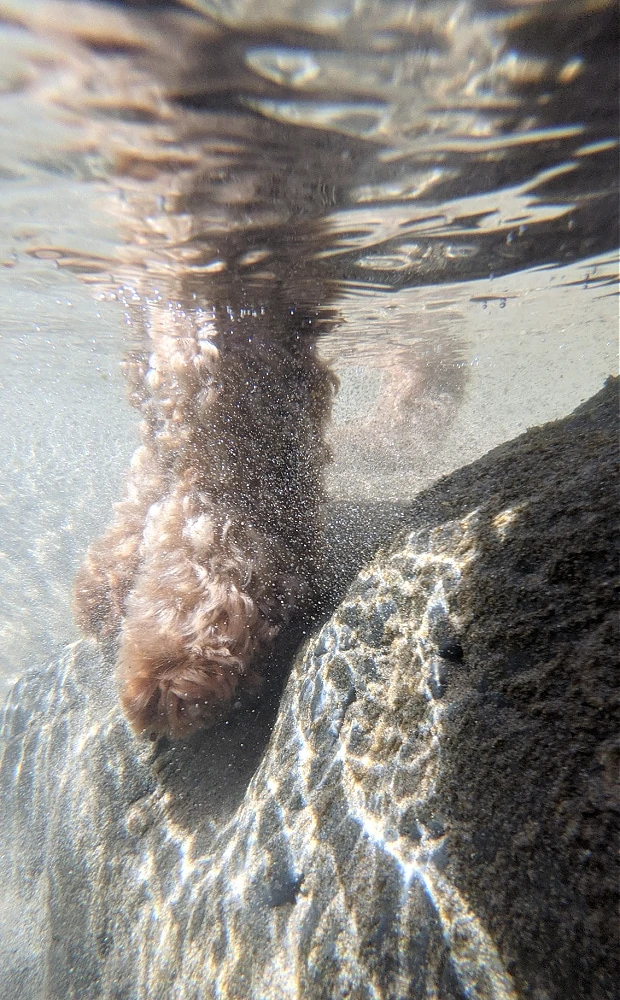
point(441, 177)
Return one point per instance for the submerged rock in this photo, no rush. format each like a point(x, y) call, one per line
point(434, 814)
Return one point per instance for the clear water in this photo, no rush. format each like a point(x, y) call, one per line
point(441, 177)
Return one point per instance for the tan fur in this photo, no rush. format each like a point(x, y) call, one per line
point(216, 543)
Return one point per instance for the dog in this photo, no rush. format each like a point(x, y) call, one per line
point(216, 544)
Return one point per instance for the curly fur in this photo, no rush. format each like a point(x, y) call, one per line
point(215, 545)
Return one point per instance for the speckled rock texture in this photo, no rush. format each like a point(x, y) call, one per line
point(430, 812)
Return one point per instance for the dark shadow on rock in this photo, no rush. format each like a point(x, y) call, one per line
point(530, 758)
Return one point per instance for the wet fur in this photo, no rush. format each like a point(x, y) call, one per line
point(216, 543)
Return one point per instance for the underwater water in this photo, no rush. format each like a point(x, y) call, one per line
point(437, 181)
point(416, 200)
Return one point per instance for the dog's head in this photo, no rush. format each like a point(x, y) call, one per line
point(182, 670)
point(178, 697)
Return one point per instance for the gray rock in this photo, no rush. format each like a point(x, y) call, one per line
point(433, 814)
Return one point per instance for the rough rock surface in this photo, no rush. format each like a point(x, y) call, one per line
point(433, 815)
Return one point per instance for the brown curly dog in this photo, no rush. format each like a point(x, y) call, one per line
point(216, 542)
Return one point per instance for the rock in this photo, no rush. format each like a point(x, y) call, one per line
point(434, 815)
